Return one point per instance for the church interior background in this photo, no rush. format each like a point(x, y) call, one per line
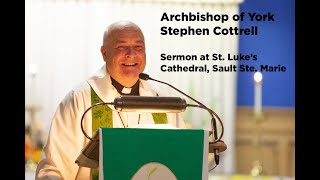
point(62, 49)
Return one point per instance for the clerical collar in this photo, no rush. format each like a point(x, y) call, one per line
point(134, 90)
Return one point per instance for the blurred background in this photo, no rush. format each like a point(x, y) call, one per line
point(62, 48)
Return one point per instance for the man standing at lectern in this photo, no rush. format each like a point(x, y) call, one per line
point(124, 54)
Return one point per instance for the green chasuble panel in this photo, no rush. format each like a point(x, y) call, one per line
point(130, 153)
point(101, 115)
point(160, 118)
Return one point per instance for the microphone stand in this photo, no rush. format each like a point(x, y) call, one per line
point(215, 146)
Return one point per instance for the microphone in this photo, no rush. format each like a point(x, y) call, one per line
point(144, 76)
point(150, 104)
point(218, 142)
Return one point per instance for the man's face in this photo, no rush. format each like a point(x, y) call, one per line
point(125, 55)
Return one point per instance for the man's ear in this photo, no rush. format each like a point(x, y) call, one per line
point(103, 52)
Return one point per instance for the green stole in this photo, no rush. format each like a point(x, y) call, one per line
point(102, 117)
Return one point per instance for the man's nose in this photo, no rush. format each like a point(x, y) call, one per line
point(130, 52)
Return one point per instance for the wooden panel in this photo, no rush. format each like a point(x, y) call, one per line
point(270, 140)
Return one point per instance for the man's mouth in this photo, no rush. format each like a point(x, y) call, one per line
point(129, 64)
